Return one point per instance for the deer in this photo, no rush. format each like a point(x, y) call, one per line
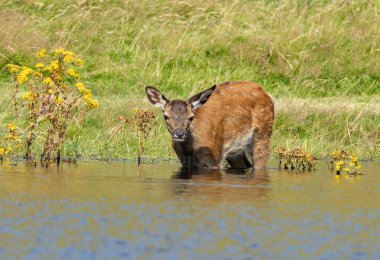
point(226, 122)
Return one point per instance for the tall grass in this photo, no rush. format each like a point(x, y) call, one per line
point(295, 49)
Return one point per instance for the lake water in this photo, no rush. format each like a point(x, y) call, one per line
point(98, 210)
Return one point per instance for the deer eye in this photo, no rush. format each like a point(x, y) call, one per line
point(191, 119)
point(166, 117)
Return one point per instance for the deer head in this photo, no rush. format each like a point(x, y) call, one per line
point(178, 114)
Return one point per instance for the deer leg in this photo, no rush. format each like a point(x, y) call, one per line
point(238, 161)
point(260, 150)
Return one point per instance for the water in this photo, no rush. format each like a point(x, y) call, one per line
point(96, 210)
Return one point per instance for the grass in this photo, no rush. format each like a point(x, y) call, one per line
point(319, 59)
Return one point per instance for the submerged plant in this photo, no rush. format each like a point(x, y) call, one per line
point(295, 159)
point(48, 97)
point(343, 161)
point(141, 122)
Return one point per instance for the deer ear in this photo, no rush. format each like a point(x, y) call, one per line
point(155, 97)
point(201, 98)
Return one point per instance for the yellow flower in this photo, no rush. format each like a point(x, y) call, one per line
point(90, 102)
point(346, 169)
point(37, 74)
point(87, 92)
point(79, 62)
point(73, 73)
point(48, 82)
point(60, 100)
point(2, 150)
point(48, 69)
point(39, 65)
point(23, 75)
point(12, 68)
point(94, 104)
point(28, 96)
point(59, 51)
point(41, 53)
point(335, 154)
point(12, 127)
point(54, 65)
point(80, 87)
point(50, 91)
point(26, 70)
point(58, 78)
point(337, 168)
point(68, 56)
point(8, 150)
point(22, 78)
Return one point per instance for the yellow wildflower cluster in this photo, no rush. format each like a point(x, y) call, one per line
point(80, 87)
point(58, 51)
point(53, 95)
point(79, 62)
point(30, 96)
point(296, 158)
point(87, 96)
point(67, 56)
point(41, 53)
point(7, 143)
point(344, 161)
point(60, 100)
point(48, 69)
point(23, 73)
point(12, 127)
point(23, 76)
point(4, 151)
point(73, 73)
point(12, 68)
point(88, 100)
point(39, 66)
point(48, 82)
point(12, 132)
point(54, 65)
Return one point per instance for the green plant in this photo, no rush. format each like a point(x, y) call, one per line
point(48, 97)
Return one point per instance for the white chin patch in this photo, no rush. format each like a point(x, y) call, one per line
point(179, 140)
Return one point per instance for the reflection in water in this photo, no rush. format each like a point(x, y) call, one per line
point(223, 183)
point(97, 210)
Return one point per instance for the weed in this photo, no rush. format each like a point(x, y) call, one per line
point(343, 161)
point(10, 143)
point(48, 97)
point(141, 122)
point(295, 159)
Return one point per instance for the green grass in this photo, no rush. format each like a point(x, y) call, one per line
point(298, 50)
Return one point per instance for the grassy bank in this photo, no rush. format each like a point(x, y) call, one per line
point(319, 59)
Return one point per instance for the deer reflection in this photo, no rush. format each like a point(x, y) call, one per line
point(227, 183)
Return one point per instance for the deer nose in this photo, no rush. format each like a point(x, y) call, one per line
point(179, 134)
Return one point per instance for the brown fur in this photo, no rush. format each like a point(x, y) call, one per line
point(236, 119)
